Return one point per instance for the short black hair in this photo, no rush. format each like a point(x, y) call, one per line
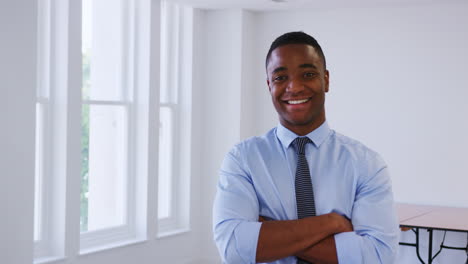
point(296, 37)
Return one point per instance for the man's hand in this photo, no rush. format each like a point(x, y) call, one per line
point(324, 252)
point(343, 223)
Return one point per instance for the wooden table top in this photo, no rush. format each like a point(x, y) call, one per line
point(433, 217)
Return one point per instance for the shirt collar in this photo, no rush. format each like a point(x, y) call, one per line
point(317, 136)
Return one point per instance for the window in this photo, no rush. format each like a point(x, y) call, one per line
point(41, 105)
point(112, 121)
point(43, 130)
point(51, 144)
point(174, 118)
point(107, 99)
point(100, 153)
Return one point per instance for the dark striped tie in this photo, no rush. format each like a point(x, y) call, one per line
point(304, 191)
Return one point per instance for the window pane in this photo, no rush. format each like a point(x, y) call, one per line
point(165, 162)
point(39, 172)
point(43, 48)
point(169, 55)
point(104, 170)
point(102, 49)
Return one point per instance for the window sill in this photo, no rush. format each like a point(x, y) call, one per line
point(48, 260)
point(173, 232)
point(120, 244)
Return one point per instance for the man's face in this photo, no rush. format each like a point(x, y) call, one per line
point(298, 81)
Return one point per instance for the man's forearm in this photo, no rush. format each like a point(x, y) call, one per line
point(324, 252)
point(280, 239)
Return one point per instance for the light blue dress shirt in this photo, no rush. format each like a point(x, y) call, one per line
point(257, 178)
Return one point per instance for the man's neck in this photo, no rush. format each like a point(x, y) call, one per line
point(302, 130)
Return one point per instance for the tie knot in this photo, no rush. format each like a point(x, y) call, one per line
point(299, 144)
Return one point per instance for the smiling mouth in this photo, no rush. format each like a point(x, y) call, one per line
point(294, 102)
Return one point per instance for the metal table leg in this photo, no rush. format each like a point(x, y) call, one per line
point(429, 255)
point(416, 245)
point(466, 248)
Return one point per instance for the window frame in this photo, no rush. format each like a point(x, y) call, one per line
point(49, 182)
point(41, 179)
point(177, 30)
point(95, 240)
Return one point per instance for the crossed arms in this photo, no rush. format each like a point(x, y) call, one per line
point(310, 238)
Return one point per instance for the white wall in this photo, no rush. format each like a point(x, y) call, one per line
point(217, 100)
point(17, 114)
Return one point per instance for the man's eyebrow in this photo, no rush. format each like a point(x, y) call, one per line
point(307, 65)
point(279, 69)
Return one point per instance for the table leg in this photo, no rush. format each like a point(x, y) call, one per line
point(417, 246)
point(466, 248)
point(429, 257)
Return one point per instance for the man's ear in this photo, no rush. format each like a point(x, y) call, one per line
point(268, 83)
point(327, 80)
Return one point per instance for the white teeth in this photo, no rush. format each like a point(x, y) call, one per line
point(298, 101)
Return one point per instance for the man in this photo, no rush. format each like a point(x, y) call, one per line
point(303, 193)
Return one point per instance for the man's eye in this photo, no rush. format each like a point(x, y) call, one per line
point(279, 78)
point(310, 74)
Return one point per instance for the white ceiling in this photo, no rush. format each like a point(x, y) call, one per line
point(266, 5)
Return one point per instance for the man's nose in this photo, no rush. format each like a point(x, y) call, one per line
point(295, 86)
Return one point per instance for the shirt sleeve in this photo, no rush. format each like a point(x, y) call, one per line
point(376, 233)
point(235, 213)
